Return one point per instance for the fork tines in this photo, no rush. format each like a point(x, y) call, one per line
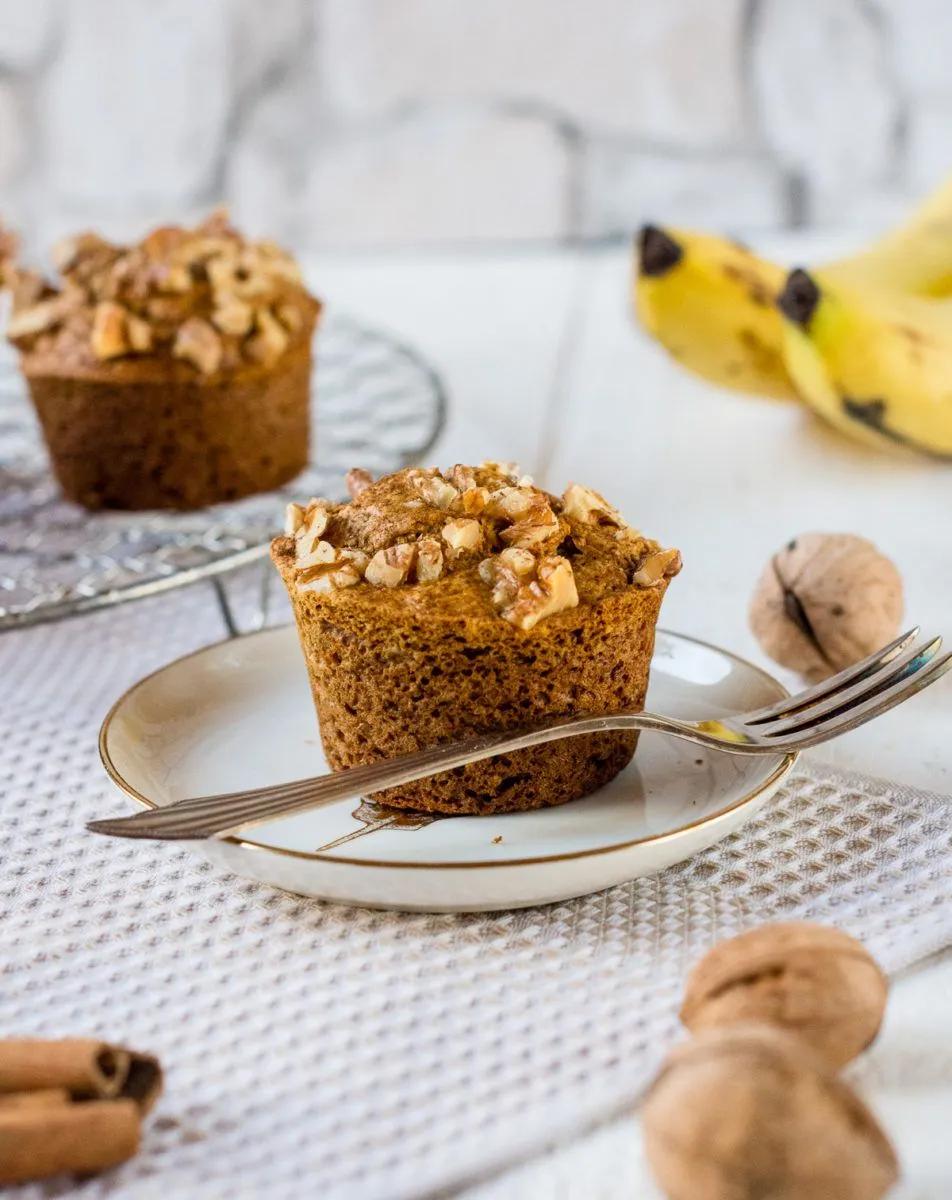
point(851, 697)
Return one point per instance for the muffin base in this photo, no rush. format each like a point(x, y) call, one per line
point(389, 676)
point(175, 444)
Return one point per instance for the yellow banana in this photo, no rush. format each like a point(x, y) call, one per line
point(710, 302)
point(916, 257)
point(876, 365)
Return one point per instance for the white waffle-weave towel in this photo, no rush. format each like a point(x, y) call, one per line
point(319, 1050)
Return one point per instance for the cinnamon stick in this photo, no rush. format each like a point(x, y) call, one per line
point(44, 1098)
point(143, 1083)
point(84, 1066)
point(79, 1138)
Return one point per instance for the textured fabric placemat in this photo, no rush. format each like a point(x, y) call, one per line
point(318, 1049)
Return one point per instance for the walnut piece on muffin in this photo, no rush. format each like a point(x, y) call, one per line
point(438, 604)
point(9, 249)
point(174, 372)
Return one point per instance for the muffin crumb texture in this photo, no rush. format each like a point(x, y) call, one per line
point(438, 605)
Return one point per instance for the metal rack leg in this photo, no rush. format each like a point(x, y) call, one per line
point(224, 607)
point(264, 593)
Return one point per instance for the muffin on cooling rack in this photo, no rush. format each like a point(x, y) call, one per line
point(173, 373)
point(434, 606)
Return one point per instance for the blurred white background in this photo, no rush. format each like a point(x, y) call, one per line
point(342, 123)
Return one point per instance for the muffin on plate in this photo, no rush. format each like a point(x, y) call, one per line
point(434, 606)
point(173, 373)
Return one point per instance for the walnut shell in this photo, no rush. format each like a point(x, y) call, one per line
point(825, 601)
point(811, 980)
point(748, 1112)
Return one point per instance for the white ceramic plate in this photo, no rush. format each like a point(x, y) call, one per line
point(239, 714)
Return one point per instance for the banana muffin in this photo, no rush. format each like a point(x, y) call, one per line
point(434, 606)
point(173, 373)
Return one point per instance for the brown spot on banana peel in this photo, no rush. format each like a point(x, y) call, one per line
point(916, 336)
point(765, 357)
point(757, 291)
point(658, 253)
point(872, 414)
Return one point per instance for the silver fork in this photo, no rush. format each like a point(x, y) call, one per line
point(840, 703)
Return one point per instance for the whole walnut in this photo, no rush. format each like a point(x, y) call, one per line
point(811, 980)
point(747, 1113)
point(825, 601)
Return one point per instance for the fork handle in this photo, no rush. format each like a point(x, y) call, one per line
point(229, 812)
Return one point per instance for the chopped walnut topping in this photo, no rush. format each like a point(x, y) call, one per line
point(510, 538)
point(27, 288)
point(539, 528)
point(139, 333)
point(526, 589)
point(109, 330)
point(434, 489)
point(429, 560)
point(269, 341)
point(9, 249)
point(522, 562)
point(463, 478)
point(420, 561)
point(248, 297)
point(534, 524)
point(37, 318)
point(358, 480)
point(473, 501)
point(314, 553)
point(589, 508)
point(462, 535)
point(68, 252)
point(505, 573)
point(198, 343)
point(658, 565)
point(311, 528)
point(339, 569)
point(509, 469)
point(510, 503)
point(233, 316)
point(390, 567)
point(293, 519)
point(173, 278)
point(351, 570)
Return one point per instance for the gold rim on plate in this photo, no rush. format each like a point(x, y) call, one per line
point(783, 768)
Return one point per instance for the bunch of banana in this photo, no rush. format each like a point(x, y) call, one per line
point(866, 341)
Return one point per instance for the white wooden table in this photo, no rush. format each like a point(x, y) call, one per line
point(544, 365)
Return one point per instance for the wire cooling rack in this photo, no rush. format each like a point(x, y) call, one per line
point(378, 405)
